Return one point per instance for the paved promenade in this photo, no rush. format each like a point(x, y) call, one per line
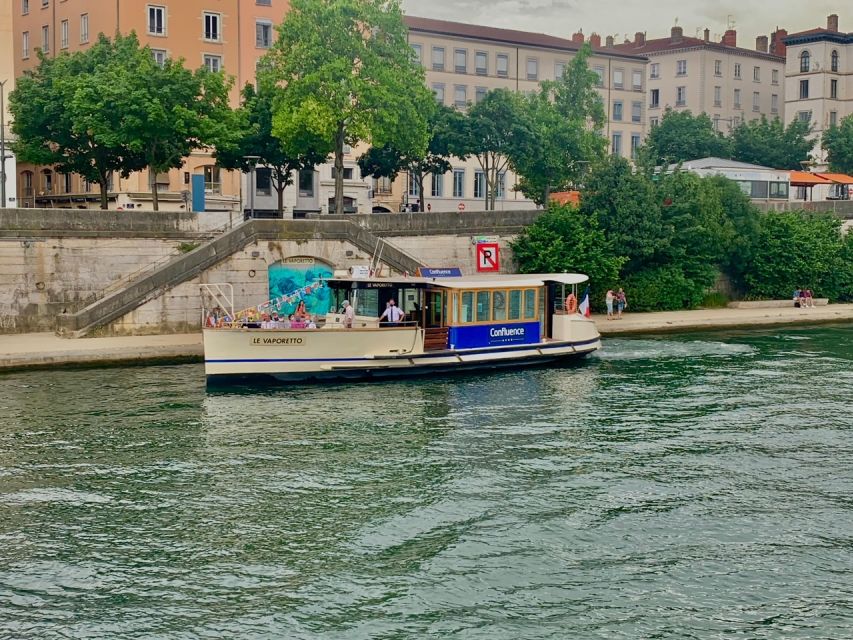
point(46, 349)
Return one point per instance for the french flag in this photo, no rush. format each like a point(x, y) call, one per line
point(583, 308)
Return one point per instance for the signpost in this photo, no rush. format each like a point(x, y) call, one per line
point(488, 257)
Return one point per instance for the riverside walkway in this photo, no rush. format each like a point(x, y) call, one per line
point(19, 351)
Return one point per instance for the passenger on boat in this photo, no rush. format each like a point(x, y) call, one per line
point(349, 314)
point(393, 313)
point(301, 313)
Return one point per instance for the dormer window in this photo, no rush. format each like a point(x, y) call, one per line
point(805, 61)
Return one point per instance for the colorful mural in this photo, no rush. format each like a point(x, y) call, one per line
point(297, 278)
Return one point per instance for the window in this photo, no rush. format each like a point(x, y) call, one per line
point(84, 28)
point(499, 305)
point(481, 63)
point(418, 50)
point(25, 45)
point(805, 61)
point(263, 34)
point(66, 179)
point(636, 112)
point(756, 101)
point(460, 60)
point(25, 7)
point(348, 173)
point(306, 183)
point(479, 94)
point(156, 20)
point(479, 184)
point(833, 89)
point(737, 98)
point(501, 190)
point(637, 80)
point(599, 71)
point(618, 78)
point(530, 304)
point(212, 30)
point(438, 58)
point(484, 304)
point(437, 185)
point(635, 145)
point(213, 63)
point(514, 304)
point(438, 92)
point(263, 181)
point(718, 96)
point(617, 110)
point(680, 96)
point(804, 116)
point(63, 34)
point(45, 38)
point(774, 103)
point(654, 71)
point(779, 190)
point(532, 69)
point(460, 96)
point(774, 76)
point(718, 67)
point(414, 188)
point(681, 67)
point(459, 183)
point(804, 89)
point(503, 65)
point(264, 3)
point(559, 69)
point(654, 98)
point(833, 118)
point(467, 306)
point(653, 122)
point(159, 56)
point(617, 144)
point(833, 64)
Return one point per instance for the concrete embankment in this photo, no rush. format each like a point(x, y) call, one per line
point(21, 351)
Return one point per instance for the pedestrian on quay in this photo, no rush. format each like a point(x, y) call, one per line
point(609, 298)
point(621, 303)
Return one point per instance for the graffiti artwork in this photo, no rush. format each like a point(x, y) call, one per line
point(298, 279)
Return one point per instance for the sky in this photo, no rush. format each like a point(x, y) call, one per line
point(622, 19)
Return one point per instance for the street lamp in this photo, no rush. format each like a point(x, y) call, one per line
point(2, 146)
point(253, 161)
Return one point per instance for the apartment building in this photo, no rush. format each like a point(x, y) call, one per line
point(465, 61)
point(819, 79)
point(729, 83)
point(7, 84)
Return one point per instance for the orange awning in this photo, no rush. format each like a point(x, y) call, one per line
point(838, 178)
point(566, 197)
point(806, 179)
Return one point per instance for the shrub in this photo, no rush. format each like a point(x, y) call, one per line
point(663, 289)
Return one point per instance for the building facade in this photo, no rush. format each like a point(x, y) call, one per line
point(819, 79)
point(730, 84)
point(7, 80)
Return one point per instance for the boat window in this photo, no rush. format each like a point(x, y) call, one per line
point(499, 305)
point(483, 306)
point(367, 302)
point(454, 317)
point(467, 306)
point(515, 304)
point(529, 304)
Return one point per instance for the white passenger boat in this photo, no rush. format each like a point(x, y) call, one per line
point(449, 325)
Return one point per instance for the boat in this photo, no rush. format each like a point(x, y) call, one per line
point(445, 325)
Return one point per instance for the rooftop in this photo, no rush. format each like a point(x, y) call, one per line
point(645, 47)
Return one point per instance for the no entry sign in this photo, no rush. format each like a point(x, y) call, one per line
point(488, 257)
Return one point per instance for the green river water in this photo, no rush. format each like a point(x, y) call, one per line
point(690, 486)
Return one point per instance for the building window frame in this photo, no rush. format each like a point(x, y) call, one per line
point(25, 7)
point(833, 61)
point(460, 60)
point(619, 78)
point(418, 51)
point(460, 96)
point(681, 68)
point(63, 34)
point(737, 99)
point(756, 101)
point(157, 20)
point(718, 95)
point(636, 112)
point(438, 91)
point(437, 190)
point(212, 62)
point(680, 96)
point(616, 143)
point(618, 111)
point(774, 103)
point(718, 68)
point(481, 63)
point(438, 58)
point(756, 74)
point(833, 89)
point(502, 70)
point(804, 89)
point(637, 80)
point(211, 26)
point(654, 98)
point(774, 76)
point(532, 68)
point(654, 70)
point(25, 45)
point(45, 38)
point(805, 61)
point(263, 34)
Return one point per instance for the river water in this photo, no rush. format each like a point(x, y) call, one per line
point(695, 486)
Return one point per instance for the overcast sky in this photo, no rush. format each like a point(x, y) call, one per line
point(655, 17)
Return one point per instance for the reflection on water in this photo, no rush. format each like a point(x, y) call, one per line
point(689, 486)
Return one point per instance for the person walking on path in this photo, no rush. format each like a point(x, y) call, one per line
point(621, 303)
point(608, 300)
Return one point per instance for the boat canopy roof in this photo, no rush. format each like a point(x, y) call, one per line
point(491, 281)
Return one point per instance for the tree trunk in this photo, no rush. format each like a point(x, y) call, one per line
point(339, 171)
point(105, 201)
point(486, 173)
point(419, 176)
point(280, 184)
point(155, 196)
point(546, 196)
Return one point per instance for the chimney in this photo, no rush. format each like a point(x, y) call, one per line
point(639, 38)
point(707, 35)
point(609, 41)
point(777, 42)
point(730, 38)
point(676, 34)
point(595, 41)
point(761, 44)
point(578, 37)
point(832, 22)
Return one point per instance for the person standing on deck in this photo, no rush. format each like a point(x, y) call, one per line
point(349, 315)
point(393, 314)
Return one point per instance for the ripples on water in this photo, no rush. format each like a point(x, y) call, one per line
point(689, 487)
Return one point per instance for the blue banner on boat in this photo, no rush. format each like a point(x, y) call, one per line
point(446, 272)
point(493, 335)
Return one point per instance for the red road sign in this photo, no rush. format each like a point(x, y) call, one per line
point(488, 257)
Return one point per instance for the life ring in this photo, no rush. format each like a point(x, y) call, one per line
point(571, 303)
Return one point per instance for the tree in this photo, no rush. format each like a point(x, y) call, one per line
point(564, 117)
point(443, 124)
point(681, 136)
point(255, 138)
point(70, 112)
point(494, 130)
point(838, 143)
point(348, 75)
point(771, 143)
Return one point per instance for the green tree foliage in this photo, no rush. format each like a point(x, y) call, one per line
point(838, 143)
point(771, 143)
point(564, 117)
point(444, 126)
point(70, 112)
point(348, 75)
point(255, 138)
point(800, 250)
point(662, 288)
point(565, 240)
point(742, 227)
point(681, 136)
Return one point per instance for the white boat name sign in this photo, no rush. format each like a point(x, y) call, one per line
point(276, 341)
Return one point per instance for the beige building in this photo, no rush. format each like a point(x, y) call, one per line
point(464, 61)
point(819, 79)
point(7, 80)
point(729, 83)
